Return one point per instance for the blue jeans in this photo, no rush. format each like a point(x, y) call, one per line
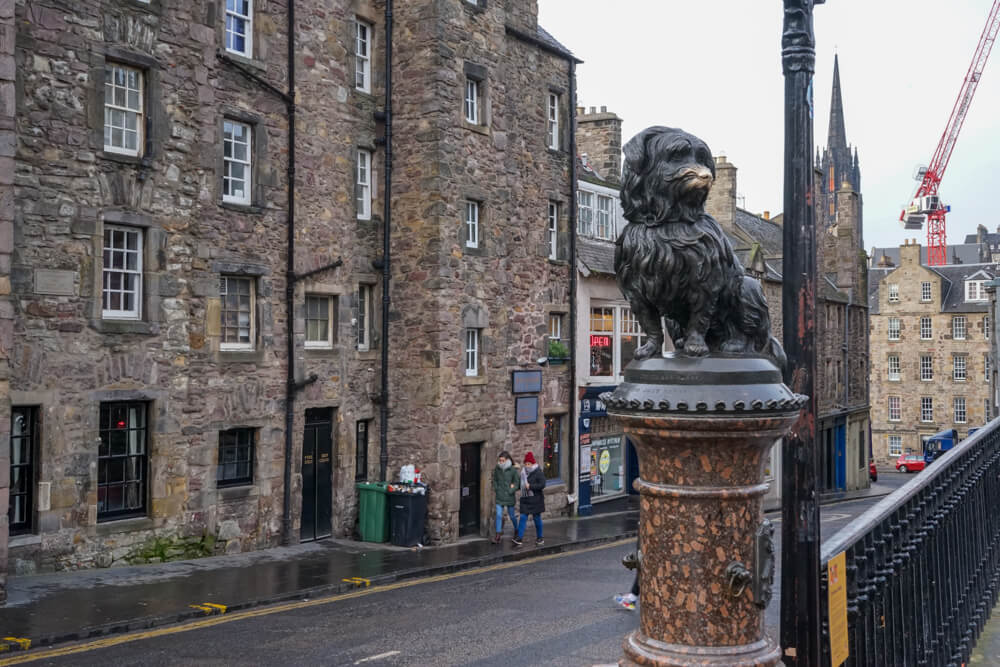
point(510, 512)
point(524, 522)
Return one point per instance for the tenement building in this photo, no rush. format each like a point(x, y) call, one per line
point(930, 349)
point(196, 289)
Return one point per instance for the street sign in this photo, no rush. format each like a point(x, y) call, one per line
point(836, 572)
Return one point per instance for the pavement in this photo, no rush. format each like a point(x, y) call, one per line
point(48, 609)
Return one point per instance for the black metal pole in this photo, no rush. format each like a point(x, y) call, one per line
point(383, 426)
point(800, 604)
point(290, 388)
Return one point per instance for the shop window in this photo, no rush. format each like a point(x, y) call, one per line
point(122, 465)
point(602, 335)
point(607, 463)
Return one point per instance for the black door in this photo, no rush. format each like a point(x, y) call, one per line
point(317, 474)
point(468, 508)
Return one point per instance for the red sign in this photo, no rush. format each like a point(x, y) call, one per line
point(600, 341)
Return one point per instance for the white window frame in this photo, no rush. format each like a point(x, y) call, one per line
point(553, 230)
point(473, 97)
point(247, 20)
point(975, 290)
point(111, 257)
point(959, 325)
point(926, 409)
point(959, 408)
point(365, 311)
point(893, 328)
point(623, 323)
point(124, 107)
point(959, 371)
point(363, 56)
point(986, 327)
point(925, 291)
point(552, 127)
point(895, 444)
point(585, 212)
point(363, 184)
point(893, 292)
point(326, 343)
point(986, 367)
point(926, 368)
point(223, 291)
point(555, 326)
point(926, 332)
point(894, 368)
point(471, 352)
point(229, 146)
point(471, 223)
point(895, 405)
point(605, 223)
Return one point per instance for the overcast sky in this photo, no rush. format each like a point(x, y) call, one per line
point(713, 68)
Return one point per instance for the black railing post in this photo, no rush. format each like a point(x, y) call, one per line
point(800, 569)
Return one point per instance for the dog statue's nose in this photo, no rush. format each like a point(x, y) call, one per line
point(704, 173)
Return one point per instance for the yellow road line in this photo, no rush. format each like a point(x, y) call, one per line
point(283, 607)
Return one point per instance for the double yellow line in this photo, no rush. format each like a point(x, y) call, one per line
point(33, 656)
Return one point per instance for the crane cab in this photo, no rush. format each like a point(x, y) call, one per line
point(916, 213)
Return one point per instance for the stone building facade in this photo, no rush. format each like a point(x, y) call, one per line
point(930, 350)
point(149, 286)
point(7, 212)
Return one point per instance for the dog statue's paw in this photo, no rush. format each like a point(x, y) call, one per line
point(648, 349)
point(695, 345)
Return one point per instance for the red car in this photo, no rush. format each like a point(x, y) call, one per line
point(910, 463)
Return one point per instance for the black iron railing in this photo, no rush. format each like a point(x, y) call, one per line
point(923, 565)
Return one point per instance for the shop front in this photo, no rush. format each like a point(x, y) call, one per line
point(608, 463)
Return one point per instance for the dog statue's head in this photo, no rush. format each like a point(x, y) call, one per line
point(666, 177)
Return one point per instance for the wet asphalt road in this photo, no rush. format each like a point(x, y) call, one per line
point(557, 611)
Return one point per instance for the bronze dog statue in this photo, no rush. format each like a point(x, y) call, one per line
point(672, 260)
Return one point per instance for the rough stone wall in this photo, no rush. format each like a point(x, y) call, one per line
point(909, 309)
point(7, 144)
point(599, 136)
point(67, 189)
point(507, 286)
point(721, 202)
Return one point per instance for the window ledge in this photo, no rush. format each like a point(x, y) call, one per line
point(134, 160)
point(242, 60)
point(557, 152)
point(238, 492)
point(473, 380)
point(241, 208)
point(139, 327)
point(321, 352)
point(24, 540)
point(366, 355)
point(478, 129)
point(557, 262)
point(241, 356)
point(124, 525)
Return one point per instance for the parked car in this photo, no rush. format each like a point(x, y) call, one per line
point(872, 471)
point(910, 463)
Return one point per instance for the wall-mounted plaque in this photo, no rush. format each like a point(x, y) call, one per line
point(526, 382)
point(526, 410)
point(55, 282)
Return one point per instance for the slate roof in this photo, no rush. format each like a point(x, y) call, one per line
point(765, 232)
point(953, 277)
point(967, 253)
point(992, 238)
point(586, 172)
point(597, 256)
point(553, 43)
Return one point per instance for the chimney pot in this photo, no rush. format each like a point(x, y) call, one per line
point(767, 215)
point(581, 110)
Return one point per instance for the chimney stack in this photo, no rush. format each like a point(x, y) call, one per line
point(599, 136)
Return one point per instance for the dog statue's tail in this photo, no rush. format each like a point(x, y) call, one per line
point(774, 350)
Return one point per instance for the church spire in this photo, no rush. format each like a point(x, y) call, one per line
point(838, 135)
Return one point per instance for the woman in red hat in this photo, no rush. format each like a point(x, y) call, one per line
point(532, 499)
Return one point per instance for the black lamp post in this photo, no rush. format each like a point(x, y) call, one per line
point(800, 603)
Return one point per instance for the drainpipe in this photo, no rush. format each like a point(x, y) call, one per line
point(383, 457)
point(574, 467)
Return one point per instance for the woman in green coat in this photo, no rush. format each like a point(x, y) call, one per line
point(506, 481)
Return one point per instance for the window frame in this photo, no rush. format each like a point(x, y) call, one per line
point(134, 314)
point(926, 409)
point(105, 432)
point(109, 106)
point(963, 412)
point(472, 226)
point(552, 456)
point(926, 368)
point(895, 407)
point(928, 330)
point(553, 230)
point(975, 291)
point(898, 442)
point(239, 445)
point(960, 368)
point(622, 318)
point(331, 321)
point(363, 184)
point(986, 327)
point(365, 316)
point(552, 122)
point(471, 349)
point(361, 426)
point(585, 212)
point(27, 469)
point(363, 61)
point(894, 374)
point(555, 326)
point(238, 346)
point(957, 320)
point(248, 29)
point(228, 162)
point(472, 111)
point(890, 329)
point(925, 291)
point(608, 218)
point(986, 367)
point(893, 292)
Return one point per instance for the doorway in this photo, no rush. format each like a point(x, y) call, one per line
point(468, 506)
point(317, 475)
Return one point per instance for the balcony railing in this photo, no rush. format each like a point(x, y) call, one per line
point(923, 565)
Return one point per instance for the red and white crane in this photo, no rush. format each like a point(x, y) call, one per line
point(926, 204)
